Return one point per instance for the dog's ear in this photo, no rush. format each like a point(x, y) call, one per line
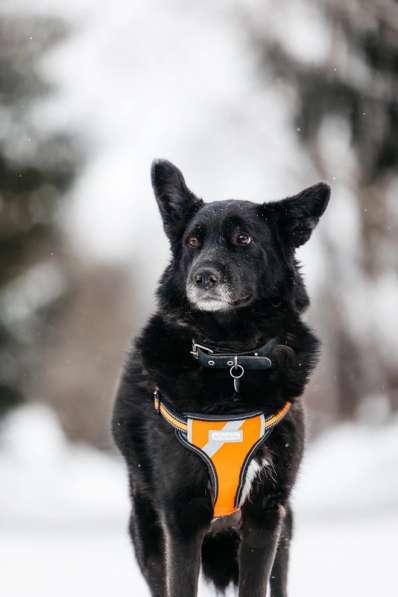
point(297, 216)
point(177, 204)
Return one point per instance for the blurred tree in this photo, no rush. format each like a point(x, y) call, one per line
point(63, 318)
point(85, 347)
point(348, 88)
point(35, 170)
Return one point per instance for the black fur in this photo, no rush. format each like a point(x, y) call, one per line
point(262, 296)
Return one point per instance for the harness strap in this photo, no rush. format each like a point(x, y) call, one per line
point(225, 443)
point(168, 414)
point(180, 422)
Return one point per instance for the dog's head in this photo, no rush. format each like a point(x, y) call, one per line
point(231, 254)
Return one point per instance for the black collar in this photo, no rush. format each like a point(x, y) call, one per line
point(236, 362)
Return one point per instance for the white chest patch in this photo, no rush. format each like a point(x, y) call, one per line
point(255, 468)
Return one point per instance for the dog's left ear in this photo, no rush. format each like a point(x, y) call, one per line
point(297, 216)
point(177, 204)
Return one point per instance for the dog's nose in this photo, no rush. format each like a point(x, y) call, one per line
point(206, 278)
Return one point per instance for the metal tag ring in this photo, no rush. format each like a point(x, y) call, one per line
point(240, 374)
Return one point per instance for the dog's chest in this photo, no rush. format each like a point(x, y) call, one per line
point(257, 469)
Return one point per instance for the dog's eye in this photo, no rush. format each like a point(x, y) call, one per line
point(193, 241)
point(243, 239)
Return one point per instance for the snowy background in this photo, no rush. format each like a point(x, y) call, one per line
point(251, 100)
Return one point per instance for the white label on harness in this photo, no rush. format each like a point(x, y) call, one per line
point(226, 436)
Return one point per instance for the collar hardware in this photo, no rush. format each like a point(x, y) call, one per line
point(196, 347)
point(236, 363)
point(236, 372)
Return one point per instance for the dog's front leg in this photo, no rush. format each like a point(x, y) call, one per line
point(279, 571)
point(185, 527)
point(261, 530)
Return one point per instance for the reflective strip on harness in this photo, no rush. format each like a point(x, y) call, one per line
point(173, 420)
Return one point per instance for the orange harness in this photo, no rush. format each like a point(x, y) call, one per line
point(227, 445)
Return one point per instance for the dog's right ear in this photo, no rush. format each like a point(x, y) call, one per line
point(177, 204)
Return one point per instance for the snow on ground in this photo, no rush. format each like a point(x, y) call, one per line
point(350, 472)
point(64, 509)
point(328, 559)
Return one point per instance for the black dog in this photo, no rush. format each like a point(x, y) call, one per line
point(234, 288)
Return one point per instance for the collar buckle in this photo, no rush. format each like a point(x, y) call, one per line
point(195, 347)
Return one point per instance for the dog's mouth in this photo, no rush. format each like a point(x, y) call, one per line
point(244, 300)
point(219, 300)
point(211, 303)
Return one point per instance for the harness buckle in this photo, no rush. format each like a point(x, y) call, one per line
point(156, 400)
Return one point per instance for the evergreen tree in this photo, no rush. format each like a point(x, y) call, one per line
point(354, 85)
point(34, 174)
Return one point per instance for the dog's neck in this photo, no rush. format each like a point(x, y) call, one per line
point(239, 330)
